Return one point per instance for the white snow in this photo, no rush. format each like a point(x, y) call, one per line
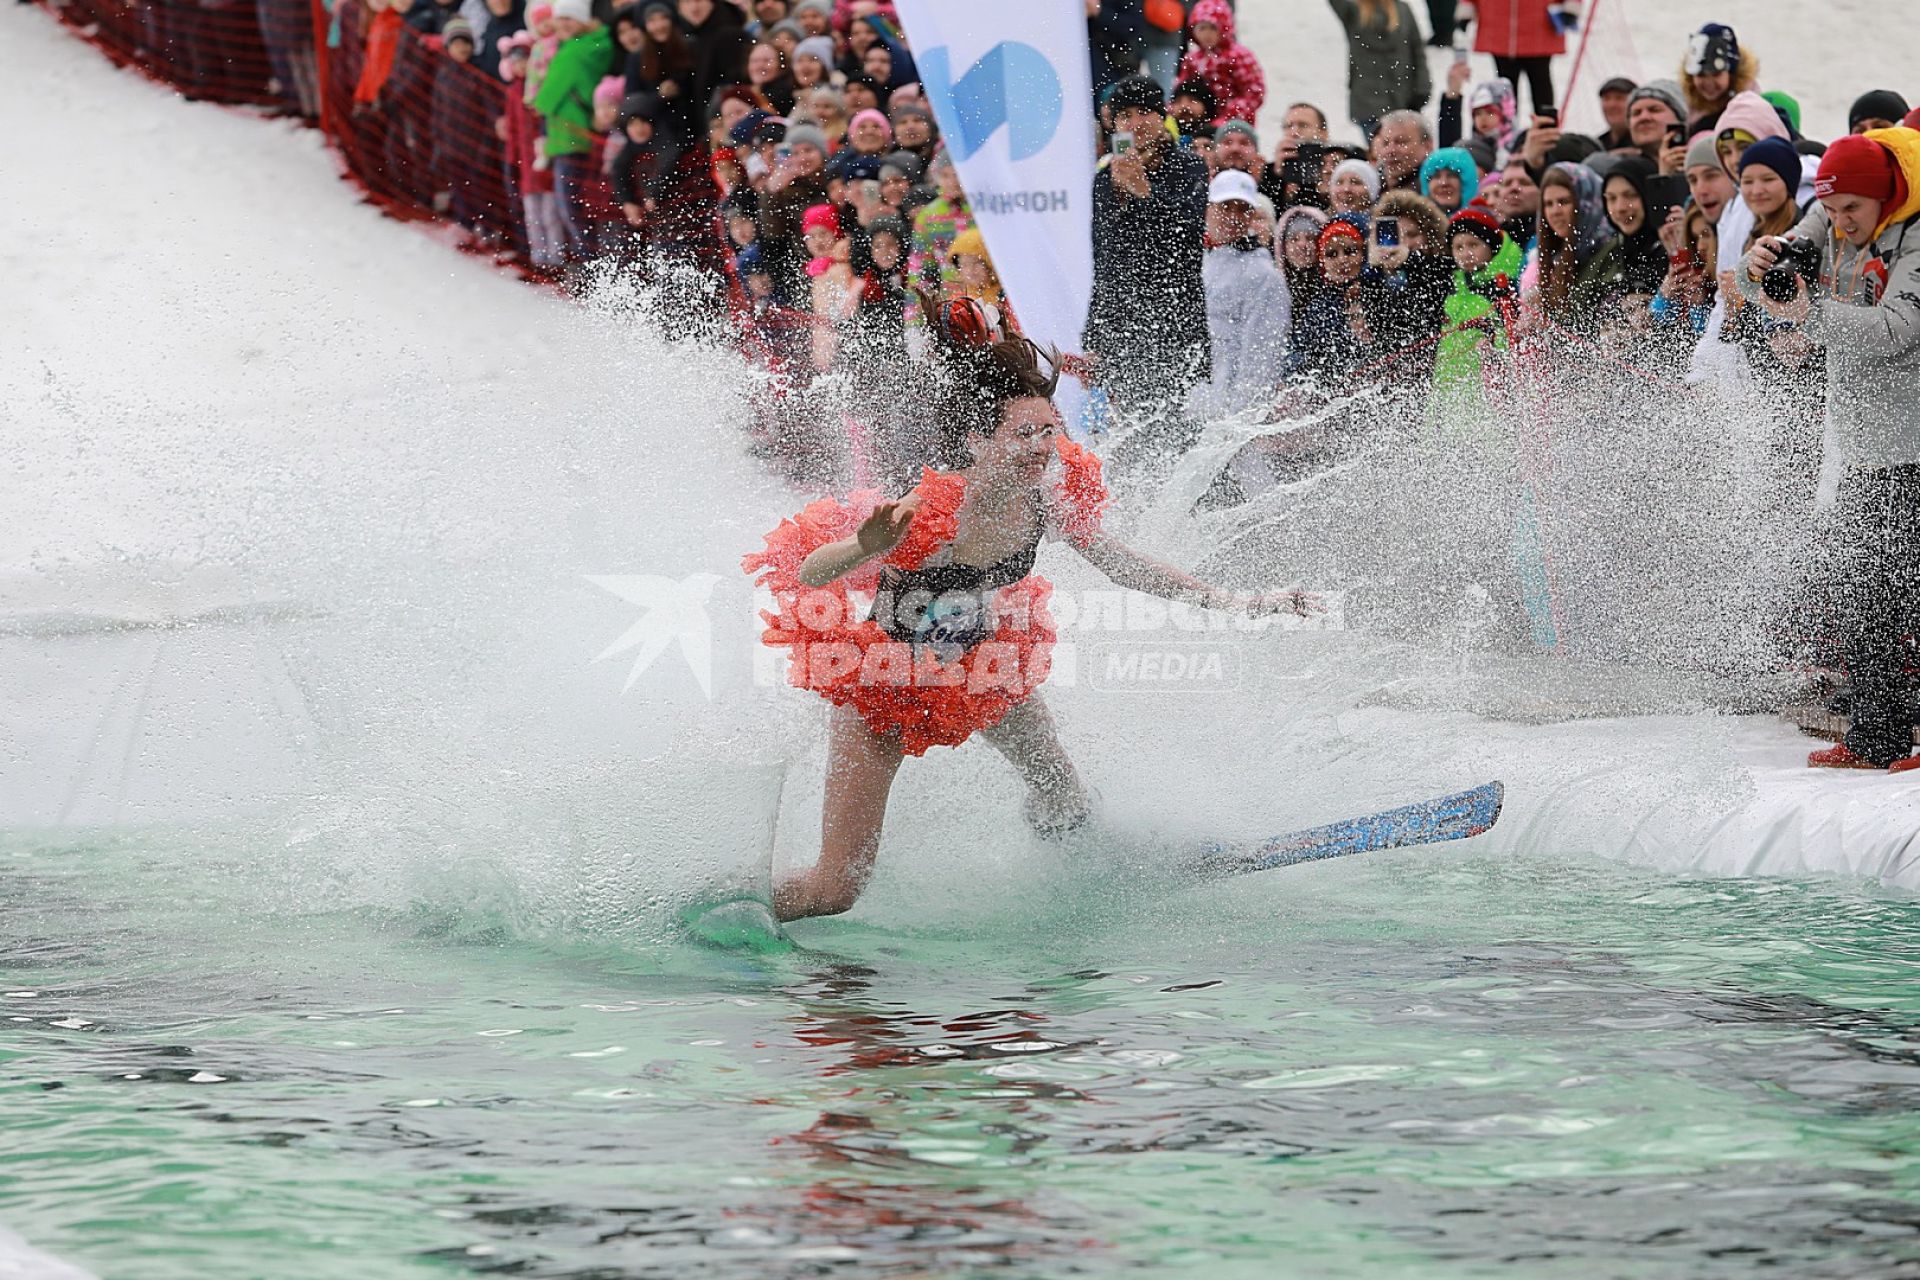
point(1825, 55)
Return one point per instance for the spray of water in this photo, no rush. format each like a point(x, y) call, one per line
point(468, 564)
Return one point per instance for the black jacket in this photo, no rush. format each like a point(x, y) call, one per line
point(1149, 303)
point(1406, 311)
point(720, 47)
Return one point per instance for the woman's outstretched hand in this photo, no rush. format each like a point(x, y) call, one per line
point(882, 530)
point(1301, 604)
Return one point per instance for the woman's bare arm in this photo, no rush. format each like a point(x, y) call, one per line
point(1137, 572)
point(878, 534)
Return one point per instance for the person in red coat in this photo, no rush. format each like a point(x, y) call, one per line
point(1524, 36)
point(1227, 67)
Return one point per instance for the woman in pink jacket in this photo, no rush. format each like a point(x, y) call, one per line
point(1228, 67)
point(1524, 36)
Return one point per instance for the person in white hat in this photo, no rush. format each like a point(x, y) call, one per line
point(1248, 311)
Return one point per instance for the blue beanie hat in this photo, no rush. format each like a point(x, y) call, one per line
point(748, 125)
point(1458, 159)
point(1714, 47)
point(1778, 155)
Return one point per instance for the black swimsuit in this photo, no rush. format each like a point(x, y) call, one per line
point(944, 606)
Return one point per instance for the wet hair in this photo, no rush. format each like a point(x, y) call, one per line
point(975, 384)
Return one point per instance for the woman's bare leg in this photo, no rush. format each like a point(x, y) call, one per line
point(860, 769)
point(1057, 799)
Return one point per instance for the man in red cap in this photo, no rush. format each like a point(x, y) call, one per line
point(1862, 304)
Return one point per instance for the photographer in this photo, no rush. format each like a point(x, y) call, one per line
point(1849, 277)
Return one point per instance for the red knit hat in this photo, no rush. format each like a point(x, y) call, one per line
point(1341, 226)
point(1475, 220)
point(1857, 166)
point(821, 216)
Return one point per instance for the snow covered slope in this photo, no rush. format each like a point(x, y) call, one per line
point(1825, 55)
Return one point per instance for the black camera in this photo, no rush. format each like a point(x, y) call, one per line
point(1799, 260)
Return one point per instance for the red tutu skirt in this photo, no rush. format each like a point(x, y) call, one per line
point(903, 690)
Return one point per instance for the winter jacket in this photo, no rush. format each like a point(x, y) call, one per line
point(460, 109)
point(934, 227)
point(1716, 361)
point(1386, 69)
point(639, 172)
point(429, 16)
point(1866, 313)
point(486, 53)
point(781, 213)
point(1478, 313)
point(1634, 263)
point(1325, 348)
point(566, 95)
point(523, 142)
point(1516, 29)
point(383, 43)
point(668, 70)
point(904, 71)
point(720, 46)
point(1149, 307)
point(1248, 317)
point(781, 91)
point(1229, 68)
point(1406, 310)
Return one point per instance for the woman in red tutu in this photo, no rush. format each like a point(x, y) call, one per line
point(958, 638)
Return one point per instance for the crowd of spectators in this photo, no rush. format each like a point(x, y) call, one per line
point(777, 158)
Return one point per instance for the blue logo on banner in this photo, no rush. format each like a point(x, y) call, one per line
point(1014, 85)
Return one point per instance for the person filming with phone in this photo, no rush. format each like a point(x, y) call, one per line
point(1147, 325)
point(1848, 277)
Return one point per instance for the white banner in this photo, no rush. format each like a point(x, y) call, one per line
point(1017, 117)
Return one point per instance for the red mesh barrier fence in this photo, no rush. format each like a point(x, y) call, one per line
point(242, 52)
point(426, 135)
point(421, 131)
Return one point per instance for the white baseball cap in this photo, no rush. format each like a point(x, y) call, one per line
point(1232, 184)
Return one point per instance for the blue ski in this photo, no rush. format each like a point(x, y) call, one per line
point(1455, 817)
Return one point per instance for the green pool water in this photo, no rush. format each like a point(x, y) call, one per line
point(1423, 1064)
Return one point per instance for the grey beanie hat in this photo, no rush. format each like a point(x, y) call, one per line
point(1666, 91)
point(806, 135)
point(819, 47)
point(1238, 126)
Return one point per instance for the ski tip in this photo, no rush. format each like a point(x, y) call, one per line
point(1496, 792)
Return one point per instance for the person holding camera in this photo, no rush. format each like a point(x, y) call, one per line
point(1848, 276)
point(1786, 366)
point(1408, 280)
